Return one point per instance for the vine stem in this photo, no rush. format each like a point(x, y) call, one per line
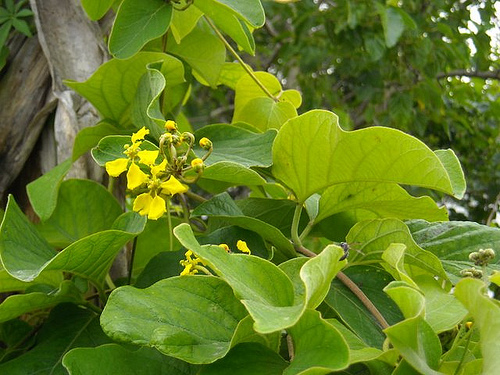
point(240, 60)
point(344, 279)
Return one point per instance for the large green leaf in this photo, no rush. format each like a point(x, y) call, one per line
point(96, 9)
point(319, 347)
point(25, 254)
point(486, 314)
point(136, 24)
point(203, 51)
point(44, 190)
point(370, 238)
point(83, 207)
point(16, 305)
point(233, 143)
point(247, 359)
point(192, 318)
point(67, 327)
point(223, 207)
point(311, 152)
point(111, 89)
point(113, 359)
point(372, 200)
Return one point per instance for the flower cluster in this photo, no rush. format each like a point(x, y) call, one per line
point(155, 176)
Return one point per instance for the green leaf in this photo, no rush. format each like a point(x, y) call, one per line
point(203, 51)
point(114, 359)
point(224, 208)
point(96, 9)
point(234, 174)
point(89, 137)
point(373, 236)
point(111, 89)
point(250, 11)
point(43, 192)
point(111, 148)
point(392, 22)
point(247, 359)
point(311, 152)
point(417, 343)
point(264, 113)
point(372, 200)
point(96, 209)
point(183, 22)
point(486, 314)
point(68, 327)
point(177, 316)
point(25, 254)
point(233, 143)
point(229, 23)
point(319, 347)
point(136, 24)
point(263, 288)
point(16, 305)
point(353, 313)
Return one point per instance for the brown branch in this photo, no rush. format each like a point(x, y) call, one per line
point(494, 74)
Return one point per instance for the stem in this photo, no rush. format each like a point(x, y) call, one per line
point(295, 225)
point(235, 54)
point(132, 257)
point(363, 298)
point(170, 231)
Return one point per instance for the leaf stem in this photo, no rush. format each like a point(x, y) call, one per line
point(240, 60)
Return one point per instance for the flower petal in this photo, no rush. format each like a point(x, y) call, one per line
point(116, 167)
point(148, 157)
point(157, 208)
point(142, 203)
point(139, 136)
point(135, 177)
point(173, 186)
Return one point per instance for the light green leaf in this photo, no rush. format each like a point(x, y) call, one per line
point(43, 192)
point(25, 254)
point(177, 316)
point(96, 9)
point(248, 10)
point(263, 288)
point(203, 51)
point(183, 22)
point(264, 113)
point(319, 347)
point(96, 210)
point(67, 327)
point(136, 24)
point(486, 314)
point(224, 208)
point(372, 200)
point(247, 359)
point(18, 304)
point(373, 236)
point(113, 359)
point(311, 152)
point(233, 143)
point(111, 89)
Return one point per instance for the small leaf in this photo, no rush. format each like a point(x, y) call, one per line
point(136, 24)
point(115, 359)
point(43, 191)
point(319, 347)
point(176, 316)
point(486, 314)
point(233, 143)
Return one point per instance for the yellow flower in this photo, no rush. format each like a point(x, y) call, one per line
point(173, 186)
point(154, 207)
point(242, 246)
